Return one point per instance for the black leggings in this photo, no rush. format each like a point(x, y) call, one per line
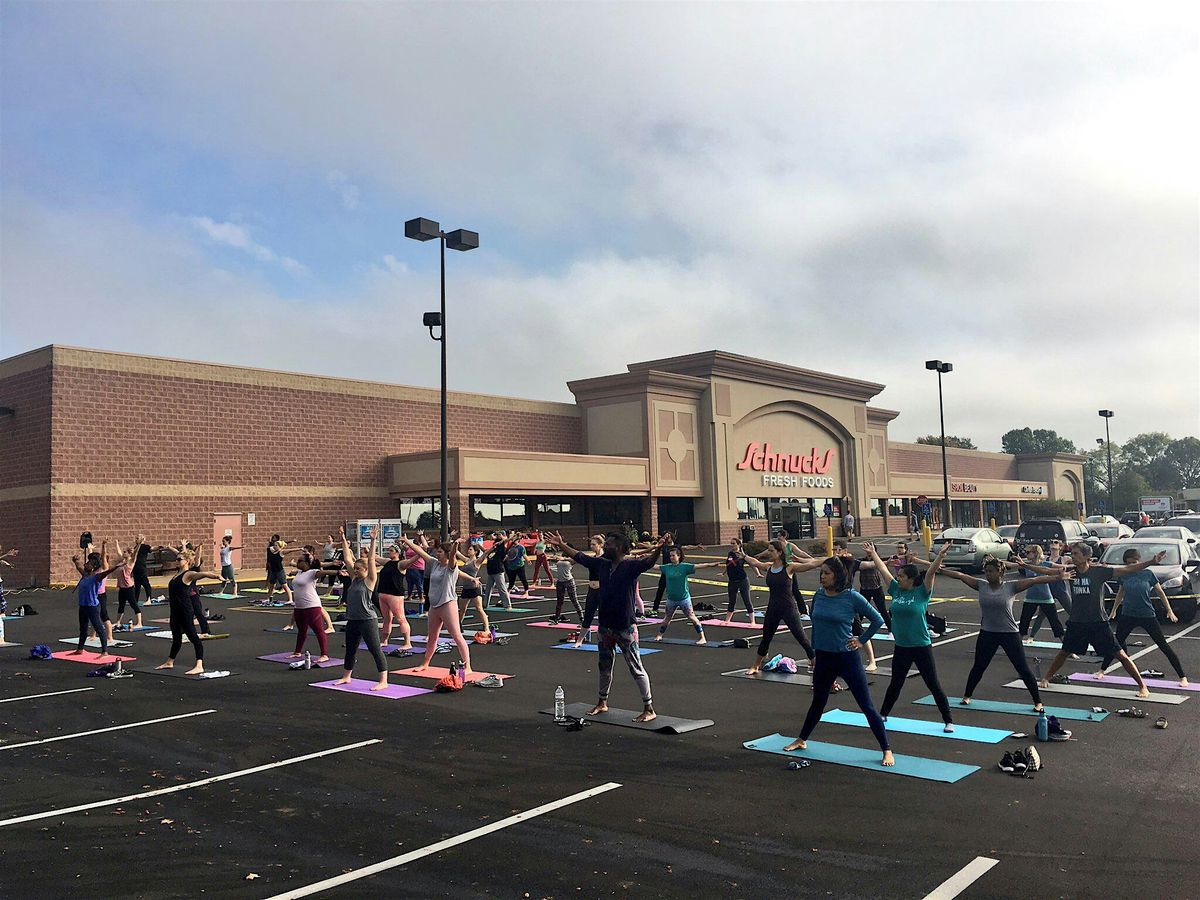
point(563, 590)
point(848, 665)
point(783, 611)
point(1126, 624)
point(985, 648)
point(902, 658)
point(658, 594)
point(198, 612)
point(181, 624)
point(141, 580)
point(879, 601)
point(514, 574)
point(363, 630)
point(1048, 610)
point(90, 615)
point(742, 586)
point(591, 603)
point(127, 596)
point(797, 596)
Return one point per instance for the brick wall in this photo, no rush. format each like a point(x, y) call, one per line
point(961, 463)
point(25, 464)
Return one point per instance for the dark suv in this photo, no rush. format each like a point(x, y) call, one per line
point(1133, 519)
point(1043, 531)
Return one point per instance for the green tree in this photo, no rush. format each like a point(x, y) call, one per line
point(1183, 456)
point(1130, 485)
point(1037, 440)
point(1095, 476)
point(1142, 450)
point(961, 443)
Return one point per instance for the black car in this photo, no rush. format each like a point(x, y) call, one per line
point(1043, 531)
point(1132, 519)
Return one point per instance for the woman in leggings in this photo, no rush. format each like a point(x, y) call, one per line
point(591, 602)
point(88, 589)
point(1039, 599)
point(781, 604)
point(1057, 559)
point(541, 561)
point(834, 609)
point(126, 590)
point(1136, 608)
point(997, 627)
point(390, 589)
point(471, 592)
point(443, 600)
point(910, 592)
point(307, 612)
point(362, 622)
point(179, 594)
point(739, 582)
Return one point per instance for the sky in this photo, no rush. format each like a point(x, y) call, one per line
point(852, 188)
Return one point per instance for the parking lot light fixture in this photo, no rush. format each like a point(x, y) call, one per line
point(1107, 414)
point(936, 365)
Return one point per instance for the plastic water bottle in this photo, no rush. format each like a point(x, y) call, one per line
point(1043, 727)
point(307, 659)
point(492, 632)
point(560, 705)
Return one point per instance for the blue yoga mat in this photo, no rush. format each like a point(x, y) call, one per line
point(920, 726)
point(863, 758)
point(1021, 709)
point(593, 648)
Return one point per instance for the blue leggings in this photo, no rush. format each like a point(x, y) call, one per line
point(827, 668)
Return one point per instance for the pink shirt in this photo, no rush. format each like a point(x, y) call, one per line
point(125, 576)
point(418, 562)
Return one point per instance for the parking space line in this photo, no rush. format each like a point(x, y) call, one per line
point(962, 879)
point(67, 737)
point(51, 813)
point(1154, 646)
point(51, 694)
point(961, 637)
point(463, 838)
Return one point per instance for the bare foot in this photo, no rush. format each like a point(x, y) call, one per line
point(329, 630)
point(1143, 691)
point(1099, 676)
point(169, 664)
point(872, 668)
point(888, 759)
point(195, 670)
point(380, 686)
point(1038, 707)
point(1027, 640)
point(600, 707)
point(753, 670)
point(657, 638)
point(579, 643)
point(796, 745)
point(729, 618)
point(75, 653)
point(1183, 682)
point(322, 659)
point(421, 668)
point(289, 627)
point(703, 640)
point(648, 715)
point(965, 701)
point(294, 655)
point(408, 646)
point(345, 679)
point(468, 672)
point(1044, 683)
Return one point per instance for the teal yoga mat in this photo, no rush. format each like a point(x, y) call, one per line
point(1020, 709)
point(224, 596)
point(865, 758)
point(919, 726)
point(887, 635)
point(592, 648)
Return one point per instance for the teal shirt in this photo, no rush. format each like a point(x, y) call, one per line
point(908, 615)
point(1037, 593)
point(676, 575)
point(1139, 589)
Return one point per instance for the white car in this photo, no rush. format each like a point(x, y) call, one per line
point(1174, 532)
point(969, 546)
point(1100, 520)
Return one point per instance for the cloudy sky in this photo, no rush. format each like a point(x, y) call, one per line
point(852, 188)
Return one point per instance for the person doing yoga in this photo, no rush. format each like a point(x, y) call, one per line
point(471, 592)
point(910, 591)
point(127, 590)
point(308, 611)
point(1136, 607)
point(1039, 599)
point(443, 599)
point(617, 574)
point(179, 595)
point(675, 574)
point(591, 601)
point(390, 588)
point(1087, 622)
point(88, 589)
point(362, 622)
point(739, 582)
point(781, 600)
point(564, 588)
point(834, 609)
point(997, 627)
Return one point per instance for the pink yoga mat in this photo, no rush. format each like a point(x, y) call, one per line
point(721, 623)
point(361, 686)
point(437, 673)
point(94, 659)
point(568, 627)
point(1125, 679)
point(289, 659)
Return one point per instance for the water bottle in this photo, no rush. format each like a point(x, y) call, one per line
point(492, 632)
point(307, 659)
point(560, 705)
point(1043, 727)
point(1, 629)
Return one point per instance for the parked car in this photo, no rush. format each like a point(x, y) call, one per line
point(1192, 523)
point(1179, 574)
point(1110, 533)
point(1173, 532)
point(1100, 520)
point(1043, 531)
point(1008, 533)
point(969, 546)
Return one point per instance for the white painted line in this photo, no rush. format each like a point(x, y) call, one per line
point(67, 737)
point(961, 637)
point(51, 694)
point(116, 801)
point(412, 855)
point(1153, 646)
point(962, 879)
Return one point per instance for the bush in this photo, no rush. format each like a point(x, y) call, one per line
point(753, 548)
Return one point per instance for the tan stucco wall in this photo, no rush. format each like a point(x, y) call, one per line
point(616, 429)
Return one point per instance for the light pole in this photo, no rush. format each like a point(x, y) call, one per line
point(936, 365)
point(428, 230)
point(1107, 414)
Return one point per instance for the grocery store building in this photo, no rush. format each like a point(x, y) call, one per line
point(705, 444)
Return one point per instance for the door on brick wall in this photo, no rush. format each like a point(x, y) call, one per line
point(227, 524)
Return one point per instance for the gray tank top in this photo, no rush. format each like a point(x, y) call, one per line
point(995, 607)
point(358, 602)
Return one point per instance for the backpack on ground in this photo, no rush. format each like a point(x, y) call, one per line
point(39, 651)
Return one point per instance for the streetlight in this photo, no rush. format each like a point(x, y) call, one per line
point(429, 230)
point(936, 365)
point(1107, 414)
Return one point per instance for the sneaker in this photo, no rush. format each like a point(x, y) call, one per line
point(949, 728)
point(490, 681)
point(1020, 765)
point(1033, 758)
point(1008, 763)
point(1056, 731)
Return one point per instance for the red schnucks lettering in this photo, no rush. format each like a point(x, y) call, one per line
point(760, 458)
point(748, 460)
point(822, 467)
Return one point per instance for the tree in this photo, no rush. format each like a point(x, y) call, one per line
point(1095, 475)
point(1183, 456)
point(1040, 440)
point(1142, 450)
point(1130, 485)
point(960, 443)
point(1048, 509)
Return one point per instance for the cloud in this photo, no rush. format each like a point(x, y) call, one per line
point(230, 234)
point(347, 192)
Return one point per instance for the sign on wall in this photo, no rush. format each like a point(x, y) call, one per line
point(785, 454)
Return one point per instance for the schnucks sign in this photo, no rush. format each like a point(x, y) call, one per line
point(761, 458)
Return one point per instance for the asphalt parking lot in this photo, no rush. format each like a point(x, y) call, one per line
point(1113, 812)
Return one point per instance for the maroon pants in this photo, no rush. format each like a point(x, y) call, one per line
point(306, 619)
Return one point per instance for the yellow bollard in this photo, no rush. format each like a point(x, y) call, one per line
point(992, 520)
point(927, 536)
point(829, 541)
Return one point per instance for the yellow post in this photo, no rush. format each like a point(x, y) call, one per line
point(992, 520)
point(829, 540)
point(927, 536)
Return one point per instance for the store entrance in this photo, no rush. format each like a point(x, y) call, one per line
point(794, 516)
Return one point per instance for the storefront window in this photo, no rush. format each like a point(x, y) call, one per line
point(897, 507)
point(499, 512)
point(555, 511)
point(1003, 511)
point(877, 508)
point(835, 502)
point(752, 507)
point(675, 510)
point(964, 513)
point(420, 513)
point(616, 511)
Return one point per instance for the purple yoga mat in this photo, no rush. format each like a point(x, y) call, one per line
point(721, 623)
point(1085, 678)
point(288, 658)
point(361, 686)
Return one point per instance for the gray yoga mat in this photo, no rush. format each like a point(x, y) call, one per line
point(1087, 690)
point(624, 717)
point(783, 677)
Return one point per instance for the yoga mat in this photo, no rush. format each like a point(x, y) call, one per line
point(1020, 709)
point(166, 636)
point(180, 671)
point(269, 610)
point(593, 648)
point(437, 673)
point(424, 638)
point(139, 628)
point(254, 590)
point(800, 678)
point(288, 659)
point(1095, 690)
point(94, 643)
point(624, 717)
point(361, 686)
point(721, 623)
point(92, 659)
point(223, 596)
point(6, 644)
point(548, 625)
point(688, 642)
point(1125, 679)
point(887, 636)
point(500, 609)
point(919, 726)
point(1044, 645)
point(860, 758)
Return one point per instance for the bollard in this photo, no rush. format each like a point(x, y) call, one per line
point(829, 540)
point(927, 537)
